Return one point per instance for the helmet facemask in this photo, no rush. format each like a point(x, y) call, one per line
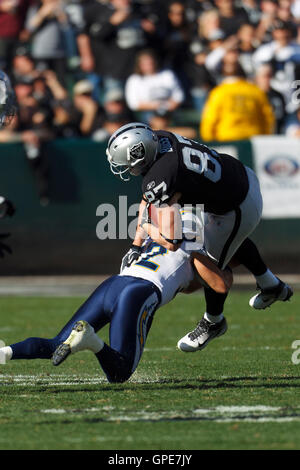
point(118, 169)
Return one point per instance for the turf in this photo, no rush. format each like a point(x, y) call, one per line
point(174, 400)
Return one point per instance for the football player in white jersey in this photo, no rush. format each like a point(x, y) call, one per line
point(127, 302)
point(7, 112)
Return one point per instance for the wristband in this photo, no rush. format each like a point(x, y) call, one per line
point(174, 241)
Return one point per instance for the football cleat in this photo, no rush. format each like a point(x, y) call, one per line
point(82, 337)
point(199, 338)
point(267, 297)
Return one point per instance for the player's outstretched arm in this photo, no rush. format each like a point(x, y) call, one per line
point(219, 280)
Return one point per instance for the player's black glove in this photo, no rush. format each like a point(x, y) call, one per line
point(132, 255)
point(6, 208)
point(3, 247)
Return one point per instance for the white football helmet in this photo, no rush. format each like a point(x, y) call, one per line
point(131, 150)
point(7, 100)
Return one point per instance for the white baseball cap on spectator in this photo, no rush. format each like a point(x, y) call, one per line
point(82, 87)
point(114, 94)
point(216, 35)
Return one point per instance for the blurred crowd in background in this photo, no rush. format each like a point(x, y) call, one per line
point(218, 69)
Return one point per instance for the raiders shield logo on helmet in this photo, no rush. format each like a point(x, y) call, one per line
point(137, 151)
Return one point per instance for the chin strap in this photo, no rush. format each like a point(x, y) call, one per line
point(175, 241)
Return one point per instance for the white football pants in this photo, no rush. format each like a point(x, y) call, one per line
point(223, 234)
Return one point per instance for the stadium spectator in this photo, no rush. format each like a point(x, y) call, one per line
point(32, 116)
point(112, 36)
point(12, 15)
point(64, 122)
point(236, 109)
point(220, 52)
point(150, 88)
point(194, 8)
point(293, 125)
point(115, 106)
point(115, 115)
point(88, 110)
point(45, 22)
point(177, 38)
point(284, 55)
point(209, 25)
point(231, 16)
point(269, 9)
point(253, 11)
point(200, 79)
point(247, 45)
point(284, 13)
point(212, 38)
point(163, 121)
point(23, 66)
point(263, 79)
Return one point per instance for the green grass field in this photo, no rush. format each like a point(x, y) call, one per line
point(241, 392)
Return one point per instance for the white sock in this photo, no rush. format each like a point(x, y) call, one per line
point(5, 354)
point(267, 280)
point(213, 318)
point(97, 345)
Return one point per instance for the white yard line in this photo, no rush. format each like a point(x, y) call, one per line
point(24, 380)
point(219, 414)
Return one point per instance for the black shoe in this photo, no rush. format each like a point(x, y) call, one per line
point(204, 332)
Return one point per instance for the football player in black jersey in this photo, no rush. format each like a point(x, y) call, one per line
point(177, 170)
point(7, 112)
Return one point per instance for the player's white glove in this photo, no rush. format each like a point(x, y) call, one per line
point(132, 255)
point(6, 208)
